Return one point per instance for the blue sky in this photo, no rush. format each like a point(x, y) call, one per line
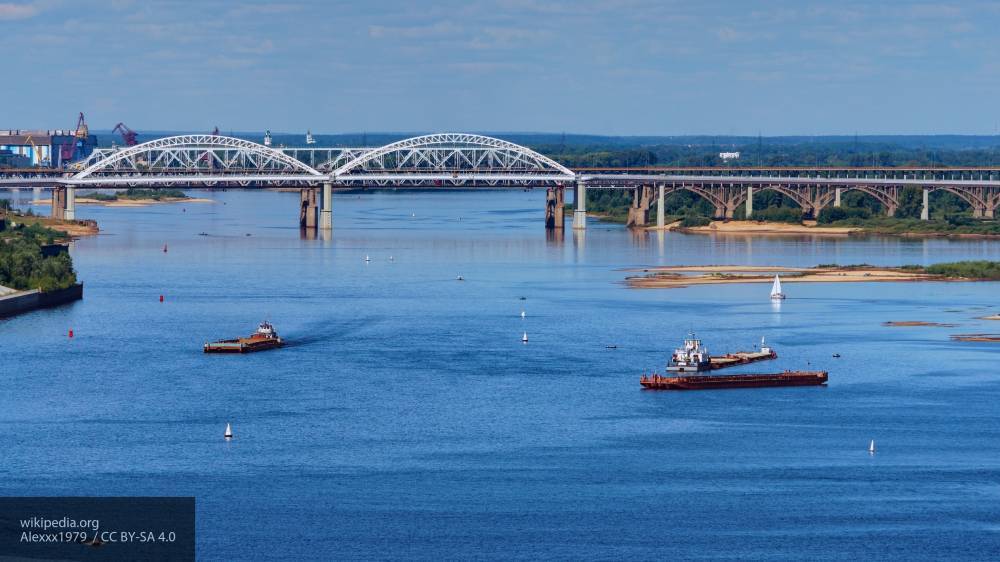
point(609, 67)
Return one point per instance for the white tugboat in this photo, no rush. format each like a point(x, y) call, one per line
point(266, 337)
point(776, 294)
point(692, 357)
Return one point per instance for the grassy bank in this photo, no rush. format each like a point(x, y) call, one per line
point(136, 194)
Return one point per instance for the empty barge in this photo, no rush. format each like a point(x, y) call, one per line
point(749, 380)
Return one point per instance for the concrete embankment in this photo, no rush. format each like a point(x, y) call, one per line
point(26, 301)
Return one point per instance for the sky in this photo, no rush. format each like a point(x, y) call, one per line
point(615, 67)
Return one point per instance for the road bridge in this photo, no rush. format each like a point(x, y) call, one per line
point(460, 160)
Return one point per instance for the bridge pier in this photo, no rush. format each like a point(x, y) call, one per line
point(307, 207)
point(70, 212)
point(836, 197)
point(59, 202)
point(326, 211)
point(638, 213)
point(580, 206)
point(749, 202)
point(925, 211)
point(660, 208)
point(555, 211)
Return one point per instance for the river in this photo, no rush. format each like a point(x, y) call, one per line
point(405, 419)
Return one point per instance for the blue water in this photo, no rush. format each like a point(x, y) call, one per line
point(406, 420)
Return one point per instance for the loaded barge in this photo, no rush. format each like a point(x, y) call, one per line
point(694, 357)
point(264, 338)
point(749, 380)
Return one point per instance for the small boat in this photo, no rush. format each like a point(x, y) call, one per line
point(164, 248)
point(523, 298)
point(611, 347)
point(871, 447)
point(367, 258)
point(692, 357)
point(229, 432)
point(392, 258)
point(836, 356)
point(524, 338)
point(264, 338)
point(522, 314)
point(776, 293)
point(460, 278)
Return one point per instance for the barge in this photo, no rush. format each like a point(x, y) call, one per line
point(694, 357)
point(264, 338)
point(749, 380)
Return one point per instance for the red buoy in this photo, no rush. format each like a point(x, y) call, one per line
point(161, 298)
point(71, 333)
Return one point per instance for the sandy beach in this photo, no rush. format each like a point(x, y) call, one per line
point(755, 227)
point(683, 276)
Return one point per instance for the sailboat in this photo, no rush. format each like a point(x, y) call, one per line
point(871, 447)
point(229, 432)
point(524, 338)
point(776, 293)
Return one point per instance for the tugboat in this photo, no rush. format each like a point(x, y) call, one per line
point(692, 357)
point(264, 338)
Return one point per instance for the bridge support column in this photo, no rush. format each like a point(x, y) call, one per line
point(580, 206)
point(307, 208)
point(58, 202)
point(70, 212)
point(836, 197)
point(326, 211)
point(555, 211)
point(925, 211)
point(749, 202)
point(660, 208)
point(638, 213)
point(977, 212)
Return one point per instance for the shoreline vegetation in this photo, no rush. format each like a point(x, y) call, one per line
point(684, 276)
point(27, 259)
point(134, 197)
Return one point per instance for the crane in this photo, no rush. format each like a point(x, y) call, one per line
point(128, 135)
point(82, 132)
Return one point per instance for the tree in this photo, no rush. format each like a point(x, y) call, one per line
point(911, 202)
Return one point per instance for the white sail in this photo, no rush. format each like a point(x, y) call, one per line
point(776, 288)
point(871, 446)
point(229, 432)
point(524, 338)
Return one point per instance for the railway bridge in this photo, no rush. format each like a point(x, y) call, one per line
point(459, 160)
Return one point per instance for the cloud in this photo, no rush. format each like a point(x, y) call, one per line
point(10, 11)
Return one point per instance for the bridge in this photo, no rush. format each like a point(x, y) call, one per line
point(460, 160)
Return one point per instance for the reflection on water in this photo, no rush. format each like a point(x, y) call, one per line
point(406, 419)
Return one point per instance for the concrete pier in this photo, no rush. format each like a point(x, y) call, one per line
point(580, 207)
point(308, 207)
point(660, 209)
point(925, 211)
point(326, 211)
point(836, 197)
point(555, 202)
point(70, 212)
point(638, 213)
point(749, 201)
point(58, 202)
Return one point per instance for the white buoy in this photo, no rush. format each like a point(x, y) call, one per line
point(229, 432)
point(524, 338)
point(522, 314)
point(871, 447)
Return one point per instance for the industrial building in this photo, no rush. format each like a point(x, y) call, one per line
point(50, 149)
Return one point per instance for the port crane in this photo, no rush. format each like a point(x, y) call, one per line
point(128, 135)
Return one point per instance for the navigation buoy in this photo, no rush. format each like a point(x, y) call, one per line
point(164, 248)
point(71, 332)
point(524, 338)
point(871, 447)
point(229, 432)
point(161, 298)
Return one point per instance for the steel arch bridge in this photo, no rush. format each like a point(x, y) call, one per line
point(444, 159)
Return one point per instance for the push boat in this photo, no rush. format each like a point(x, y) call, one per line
point(749, 380)
point(264, 338)
point(694, 357)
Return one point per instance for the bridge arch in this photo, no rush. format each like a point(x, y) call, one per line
point(453, 152)
point(215, 153)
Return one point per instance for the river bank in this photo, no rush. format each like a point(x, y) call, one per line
point(132, 202)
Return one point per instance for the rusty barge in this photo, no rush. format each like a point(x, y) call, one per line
point(749, 380)
point(264, 338)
